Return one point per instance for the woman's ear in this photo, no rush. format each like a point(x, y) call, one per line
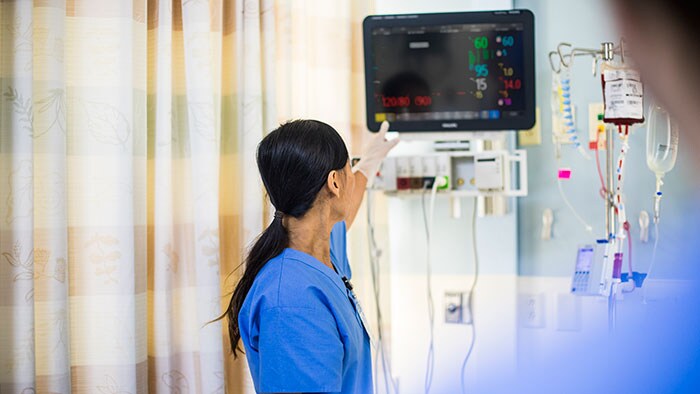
point(333, 183)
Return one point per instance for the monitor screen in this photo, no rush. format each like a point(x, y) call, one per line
point(584, 259)
point(469, 71)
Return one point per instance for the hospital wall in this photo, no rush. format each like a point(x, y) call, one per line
point(561, 339)
point(587, 24)
point(520, 273)
point(401, 236)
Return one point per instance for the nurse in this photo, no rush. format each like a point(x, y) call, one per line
point(294, 309)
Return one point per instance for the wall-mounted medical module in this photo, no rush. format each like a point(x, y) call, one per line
point(467, 71)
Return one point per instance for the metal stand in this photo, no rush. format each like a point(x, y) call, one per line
point(610, 218)
point(563, 57)
point(610, 222)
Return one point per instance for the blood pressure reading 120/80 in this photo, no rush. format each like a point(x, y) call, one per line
point(472, 71)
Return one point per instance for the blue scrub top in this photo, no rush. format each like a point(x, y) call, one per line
point(300, 326)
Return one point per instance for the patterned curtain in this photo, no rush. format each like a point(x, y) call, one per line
point(320, 63)
point(128, 184)
point(72, 196)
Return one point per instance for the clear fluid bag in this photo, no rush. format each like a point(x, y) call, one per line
point(662, 141)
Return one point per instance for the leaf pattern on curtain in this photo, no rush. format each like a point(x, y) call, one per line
point(20, 197)
point(55, 103)
point(106, 123)
point(111, 387)
point(20, 262)
point(203, 118)
point(209, 240)
point(129, 188)
point(21, 31)
point(22, 107)
point(177, 382)
point(104, 254)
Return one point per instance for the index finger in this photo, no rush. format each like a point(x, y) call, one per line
point(383, 128)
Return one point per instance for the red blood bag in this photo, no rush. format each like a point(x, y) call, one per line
point(623, 96)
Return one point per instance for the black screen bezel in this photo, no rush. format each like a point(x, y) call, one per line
point(525, 17)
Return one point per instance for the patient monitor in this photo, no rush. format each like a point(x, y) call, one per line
point(467, 71)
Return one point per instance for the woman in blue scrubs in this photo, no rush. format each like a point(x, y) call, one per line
point(294, 309)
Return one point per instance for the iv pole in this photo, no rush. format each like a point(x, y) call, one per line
point(606, 53)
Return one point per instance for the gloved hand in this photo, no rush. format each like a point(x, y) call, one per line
point(374, 152)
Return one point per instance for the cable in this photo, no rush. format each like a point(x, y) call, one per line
point(629, 248)
point(653, 256)
point(619, 195)
point(471, 295)
point(373, 270)
point(428, 221)
point(386, 364)
point(588, 227)
point(624, 228)
point(604, 193)
point(603, 189)
point(374, 254)
point(656, 244)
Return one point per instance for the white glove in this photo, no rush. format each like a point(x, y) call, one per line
point(374, 152)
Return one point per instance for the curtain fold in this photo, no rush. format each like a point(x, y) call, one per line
point(320, 64)
point(185, 353)
point(129, 190)
point(17, 216)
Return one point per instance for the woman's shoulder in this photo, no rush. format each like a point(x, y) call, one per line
point(286, 281)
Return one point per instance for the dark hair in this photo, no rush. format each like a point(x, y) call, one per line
point(677, 17)
point(680, 13)
point(294, 162)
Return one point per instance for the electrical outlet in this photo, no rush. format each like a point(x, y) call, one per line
point(531, 310)
point(457, 308)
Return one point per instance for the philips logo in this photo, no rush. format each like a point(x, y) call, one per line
point(449, 125)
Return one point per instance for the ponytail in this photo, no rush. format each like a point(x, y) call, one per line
point(294, 161)
point(268, 245)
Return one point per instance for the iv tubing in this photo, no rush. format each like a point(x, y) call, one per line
point(428, 221)
point(374, 263)
point(471, 296)
point(623, 225)
point(568, 203)
point(653, 257)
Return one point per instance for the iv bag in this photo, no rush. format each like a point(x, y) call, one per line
point(662, 141)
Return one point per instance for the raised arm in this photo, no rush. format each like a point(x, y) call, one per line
point(374, 152)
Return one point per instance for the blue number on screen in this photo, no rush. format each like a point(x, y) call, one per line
point(481, 70)
point(508, 41)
